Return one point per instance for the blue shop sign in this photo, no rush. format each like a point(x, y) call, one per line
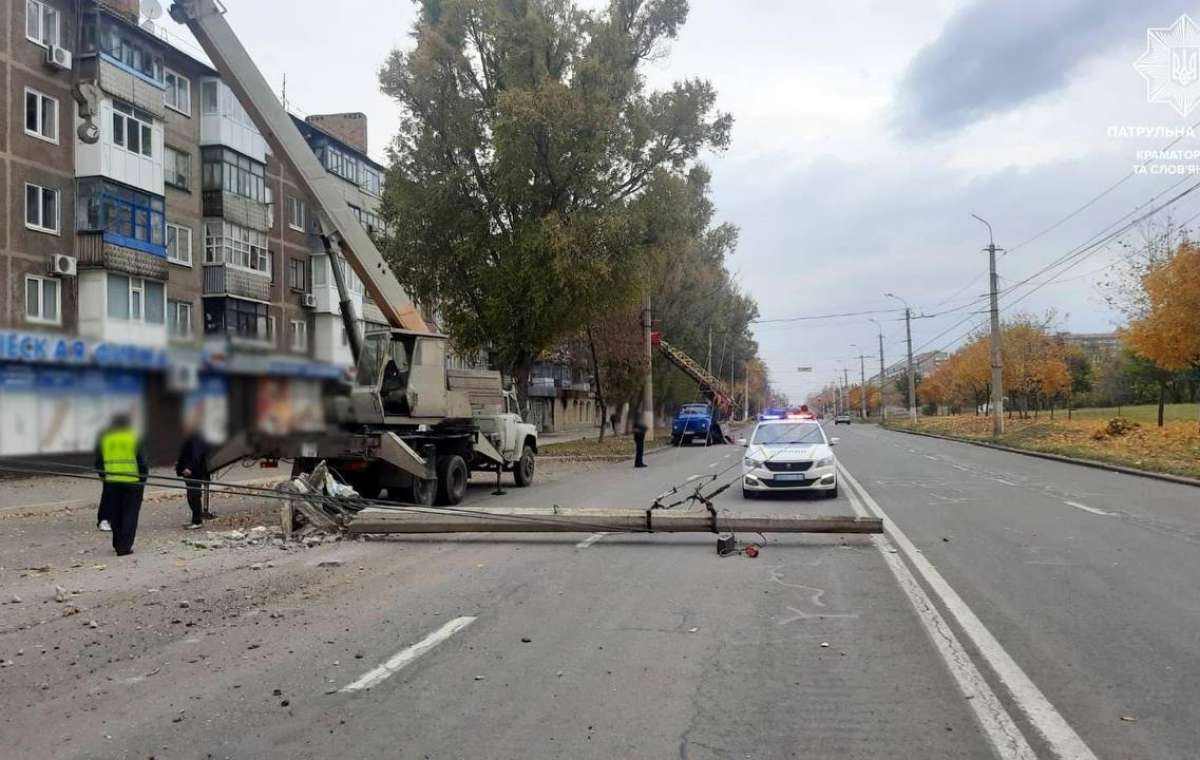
point(47, 348)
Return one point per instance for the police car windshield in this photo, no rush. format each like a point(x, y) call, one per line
point(787, 434)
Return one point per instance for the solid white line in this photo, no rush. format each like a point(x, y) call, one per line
point(1041, 714)
point(998, 726)
point(585, 543)
point(1004, 482)
point(405, 656)
point(1086, 508)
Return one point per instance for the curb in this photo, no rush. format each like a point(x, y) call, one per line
point(1182, 480)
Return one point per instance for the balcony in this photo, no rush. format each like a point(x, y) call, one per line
point(237, 209)
point(93, 251)
point(223, 280)
point(122, 83)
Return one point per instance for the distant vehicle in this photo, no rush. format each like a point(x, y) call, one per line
point(774, 413)
point(802, 413)
point(842, 419)
point(789, 455)
point(694, 421)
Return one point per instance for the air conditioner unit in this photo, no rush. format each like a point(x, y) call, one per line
point(58, 58)
point(62, 265)
point(310, 300)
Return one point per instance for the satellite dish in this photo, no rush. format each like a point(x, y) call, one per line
point(148, 25)
point(151, 9)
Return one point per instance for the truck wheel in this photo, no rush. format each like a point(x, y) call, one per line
point(452, 479)
point(420, 492)
point(523, 469)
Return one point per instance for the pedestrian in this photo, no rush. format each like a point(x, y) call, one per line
point(122, 465)
point(639, 440)
point(192, 466)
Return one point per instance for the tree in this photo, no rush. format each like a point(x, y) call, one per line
point(525, 196)
point(1166, 333)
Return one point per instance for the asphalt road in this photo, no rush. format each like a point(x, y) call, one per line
point(588, 646)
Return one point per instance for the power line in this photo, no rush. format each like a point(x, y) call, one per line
point(814, 317)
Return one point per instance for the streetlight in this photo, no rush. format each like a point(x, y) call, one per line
point(882, 405)
point(912, 380)
point(997, 360)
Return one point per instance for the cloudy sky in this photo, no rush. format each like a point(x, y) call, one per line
point(866, 135)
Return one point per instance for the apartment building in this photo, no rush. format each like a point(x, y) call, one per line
point(158, 259)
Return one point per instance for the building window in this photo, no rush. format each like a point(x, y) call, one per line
point(41, 208)
point(295, 213)
point(42, 24)
point(232, 172)
point(228, 243)
point(128, 217)
point(136, 299)
point(177, 168)
point(299, 335)
point(179, 319)
point(341, 164)
point(115, 40)
point(295, 274)
point(209, 97)
point(132, 129)
point(371, 181)
point(179, 244)
point(244, 319)
point(41, 116)
point(43, 300)
point(178, 94)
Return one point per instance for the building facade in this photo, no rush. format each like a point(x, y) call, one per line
point(158, 260)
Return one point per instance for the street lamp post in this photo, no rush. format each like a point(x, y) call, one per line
point(912, 379)
point(997, 357)
point(882, 404)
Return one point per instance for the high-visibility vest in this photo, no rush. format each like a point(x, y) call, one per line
point(118, 449)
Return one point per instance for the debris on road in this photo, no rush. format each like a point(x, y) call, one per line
point(60, 594)
point(1129, 719)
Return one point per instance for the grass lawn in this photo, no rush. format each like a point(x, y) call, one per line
point(611, 446)
point(1144, 413)
point(1174, 448)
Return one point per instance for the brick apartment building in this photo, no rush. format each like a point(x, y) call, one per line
point(168, 268)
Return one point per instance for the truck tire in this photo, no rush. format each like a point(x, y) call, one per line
point(419, 492)
point(452, 479)
point(524, 467)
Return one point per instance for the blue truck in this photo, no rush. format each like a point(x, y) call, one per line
point(695, 421)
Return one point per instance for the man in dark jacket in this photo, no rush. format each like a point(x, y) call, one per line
point(122, 465)
point(639, 440)
point(192, 465)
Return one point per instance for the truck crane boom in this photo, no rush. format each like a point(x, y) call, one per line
point(710, 385)
point(206, 20)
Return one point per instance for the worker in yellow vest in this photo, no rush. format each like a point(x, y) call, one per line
point(122, 465)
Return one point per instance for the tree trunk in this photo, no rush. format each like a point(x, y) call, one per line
point(1162, 400)
point(521, 371)
point(596, 379)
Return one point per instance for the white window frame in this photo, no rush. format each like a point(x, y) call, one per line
point(270, 337)
point(179, 308)
point(128, 114)
point(42, 11)
point(138, 286)
point(170, 167)
point(185, 232)
point(41, 116)
point(186, 107)
point(236, 246)
point(298, 335)
point(295, 213)
point(41, 319)
point(40, 225)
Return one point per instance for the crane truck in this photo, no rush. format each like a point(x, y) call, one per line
point(406, 424)
point(712, 390)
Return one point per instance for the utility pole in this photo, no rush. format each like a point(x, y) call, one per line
point(709, 350)
point(648, 389)
point(997, 358)
point(862, 374)
point(846, 389)
point(746, 396)
point(912, 375)
point(882, 404)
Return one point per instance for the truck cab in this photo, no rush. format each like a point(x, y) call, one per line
point(694, 421)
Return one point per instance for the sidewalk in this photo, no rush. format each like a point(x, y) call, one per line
point(40, 494)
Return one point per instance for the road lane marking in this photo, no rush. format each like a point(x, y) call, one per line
point(929, 456)
point(1041, 714)
point(1004, 482)
point(405, 656)
point(1086, 508)
point(585, 543)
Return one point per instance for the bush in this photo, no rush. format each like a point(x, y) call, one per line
point(1115, 428)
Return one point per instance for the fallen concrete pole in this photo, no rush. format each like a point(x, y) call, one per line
point(563, 520)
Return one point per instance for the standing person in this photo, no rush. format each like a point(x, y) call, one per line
point(639, 440)
point(122, 464)
point(192, 466)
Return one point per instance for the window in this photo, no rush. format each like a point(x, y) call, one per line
point(177, 168)
point(295, 213)
point(320, 271)
point(209, 100)
point(295, 274)
point(136, 299)
point(179, 244)
point(232, 172)
point(128, 217)
point(132, 129)
point(42, 24)
point(42, 300)
point(179, 319)
point(243, 319)
point(178, 94)
point(116, 41)
point(271, 329)
point(371, 181)
point(228, 243)
point(41, 208)
point(341, 163)
point(299, 335)
point(41, 116)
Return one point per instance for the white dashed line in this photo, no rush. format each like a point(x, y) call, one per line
point(1004, 482)
point(405, 656)
point(1086, 508)
point(585, 543)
